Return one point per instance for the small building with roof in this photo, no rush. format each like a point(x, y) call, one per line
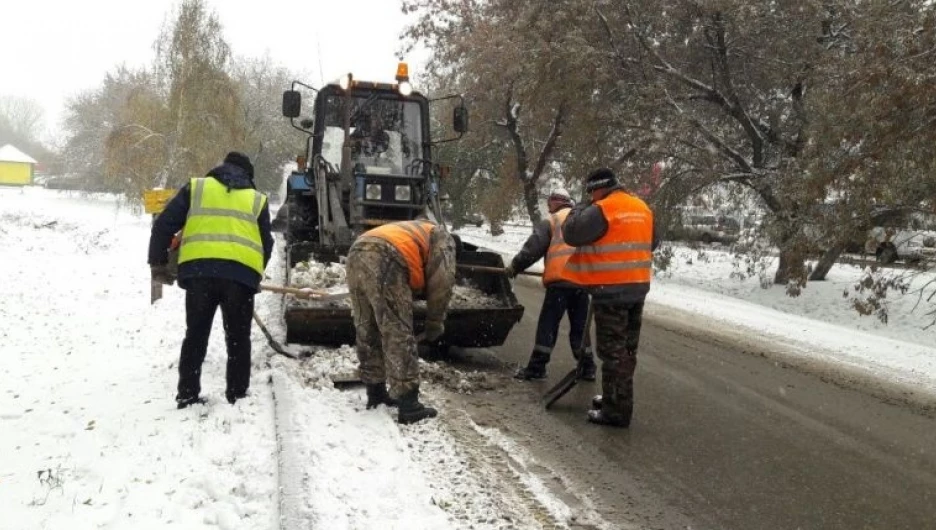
point(16, 167)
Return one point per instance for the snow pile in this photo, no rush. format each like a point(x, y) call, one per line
point(315, 275)
point(467, 296)
point(456, 380)
point(331, 277)
point(317, 371)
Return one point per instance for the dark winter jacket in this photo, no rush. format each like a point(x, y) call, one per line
point(173, 218)
point(535, 249)
point(586, 224)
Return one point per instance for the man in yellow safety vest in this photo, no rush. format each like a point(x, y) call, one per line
point(225, 246)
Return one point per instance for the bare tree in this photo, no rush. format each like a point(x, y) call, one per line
point(20, 119)
point(268, 141)
point(519, 62)
point(719, 89)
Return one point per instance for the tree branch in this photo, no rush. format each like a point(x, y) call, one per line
point(551, 140)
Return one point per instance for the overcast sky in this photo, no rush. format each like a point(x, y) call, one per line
point(50, 50)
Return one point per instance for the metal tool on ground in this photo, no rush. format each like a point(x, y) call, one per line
point(311, 294)
point(277, 347)
point(572, 378)
point(482, 268)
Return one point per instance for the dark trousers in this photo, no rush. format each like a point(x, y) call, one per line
point(202, 298)
point(557, 302)
point(617, 333)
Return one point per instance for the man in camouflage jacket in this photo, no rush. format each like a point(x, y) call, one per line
point(386, 267)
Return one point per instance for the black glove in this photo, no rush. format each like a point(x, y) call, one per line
point(434, 330)
point(510, 272)
point(162, 274)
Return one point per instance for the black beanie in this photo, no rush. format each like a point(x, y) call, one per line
point(240, 160)
point(600, 178)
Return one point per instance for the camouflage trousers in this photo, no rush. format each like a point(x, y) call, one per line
point(617, 332)
point(382, 305)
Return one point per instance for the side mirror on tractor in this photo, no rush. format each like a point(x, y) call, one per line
point(460, 119)
point(292, 103)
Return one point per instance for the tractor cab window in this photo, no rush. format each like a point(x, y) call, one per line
point(386, 134)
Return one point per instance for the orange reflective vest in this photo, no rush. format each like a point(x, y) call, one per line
point(411, 239)
point(558, 253)
point(622, 255)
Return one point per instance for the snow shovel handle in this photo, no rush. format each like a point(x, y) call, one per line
point(483, 268)
point(301, 293)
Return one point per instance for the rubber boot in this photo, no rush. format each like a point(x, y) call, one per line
point(535, 368)
point(377, 395)
point(411, 410)
point(589, 368)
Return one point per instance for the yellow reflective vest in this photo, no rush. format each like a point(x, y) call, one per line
point(222, 224)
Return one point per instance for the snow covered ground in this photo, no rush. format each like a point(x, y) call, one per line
point(90, 437)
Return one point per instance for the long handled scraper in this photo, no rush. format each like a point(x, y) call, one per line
point(570, 379)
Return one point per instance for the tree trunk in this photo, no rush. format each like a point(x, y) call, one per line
point(531, 199)
point(828, 259)
point(792, 265)
point(782, 276)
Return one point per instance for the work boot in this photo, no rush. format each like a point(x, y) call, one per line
point(411, 410)
point(535, 368)
point(183, 402)
point(596, 402)
point(603, 418)
point(377, 395)
point(232, 396)
point(589, 368)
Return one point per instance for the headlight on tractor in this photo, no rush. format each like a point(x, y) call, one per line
point(372, 192)
point(402, 193)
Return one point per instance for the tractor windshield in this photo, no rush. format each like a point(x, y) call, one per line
point(386, 133)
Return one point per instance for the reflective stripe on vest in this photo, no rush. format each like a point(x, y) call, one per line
point(558, 253)
point(411, 239)
point(623, 254)
point(222, 224)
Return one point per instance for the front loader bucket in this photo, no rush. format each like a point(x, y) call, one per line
point(331, 323)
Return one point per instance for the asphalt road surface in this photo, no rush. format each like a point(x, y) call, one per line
point(728, 433)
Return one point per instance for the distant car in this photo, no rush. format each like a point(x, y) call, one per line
point(710, 229)
point(891, 244)
point(474, 219)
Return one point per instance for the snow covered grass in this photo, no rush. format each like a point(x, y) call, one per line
point(91, 436)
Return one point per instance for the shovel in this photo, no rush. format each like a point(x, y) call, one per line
point(570, 379)
point(309, 294)
point(277, 347)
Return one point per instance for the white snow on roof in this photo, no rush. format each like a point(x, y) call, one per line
point(8, 153)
